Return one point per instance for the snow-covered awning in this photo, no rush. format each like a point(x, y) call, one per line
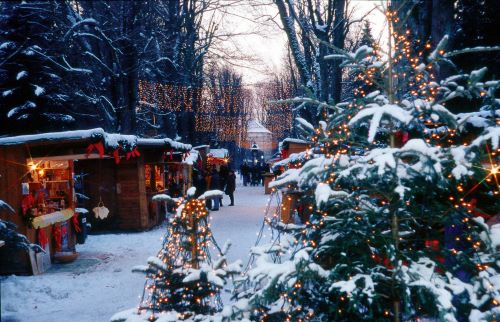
point(78, 135)
point(111, 141)
point(286, 143)
point(292, 140)
point(166, 142)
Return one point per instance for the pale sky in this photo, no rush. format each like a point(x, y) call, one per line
point(267, 44)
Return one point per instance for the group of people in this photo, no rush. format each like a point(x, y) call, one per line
point(252, 174)
point(222, 179)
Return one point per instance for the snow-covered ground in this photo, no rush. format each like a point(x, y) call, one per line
point(100, 283)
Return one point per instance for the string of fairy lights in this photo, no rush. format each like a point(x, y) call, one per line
point(278, 116)
point(185, 247)
point(414, 76)
point(220, 110)
point(225, 110)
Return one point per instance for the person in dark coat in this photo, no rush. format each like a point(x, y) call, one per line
point(231, 186)
point(224, 170)
point(255, 170)
point(200, 184)
point(245, 172)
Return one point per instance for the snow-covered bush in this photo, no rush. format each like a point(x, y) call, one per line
point(9, 234)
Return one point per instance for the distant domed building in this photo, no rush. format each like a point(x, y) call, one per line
point(258, 134)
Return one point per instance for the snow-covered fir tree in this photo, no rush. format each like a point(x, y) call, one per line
point(357, 83)
point(9, 237)
point(32, 89)
point(400, 193)
point(183, 282)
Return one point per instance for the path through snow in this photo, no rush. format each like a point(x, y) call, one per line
point(102, 283)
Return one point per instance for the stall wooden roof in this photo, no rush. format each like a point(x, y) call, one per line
point(111, 141)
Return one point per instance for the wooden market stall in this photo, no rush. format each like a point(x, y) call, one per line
point(179, 171)
point(46, 177)
point(290, 146)
point(218, 157)
point(292, 155)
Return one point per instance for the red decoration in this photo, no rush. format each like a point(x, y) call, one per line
point(382, 260)
point(26, 203)
point(134, 153)
point(432, 244)
point(76, 223)
point(96, 146)
point(171, 154)
point(57, 234)
point(284, 154)
point(42, 237)
point(402, 137)
point(116, 155)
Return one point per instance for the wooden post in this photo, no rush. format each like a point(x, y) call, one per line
point(143, 202)
point(395, 223)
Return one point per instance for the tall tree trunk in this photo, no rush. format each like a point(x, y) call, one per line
point(323, 70)
point(338, 41)
point(288, 22)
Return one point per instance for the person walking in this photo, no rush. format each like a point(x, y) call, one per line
point(223, 173)
point(231, 186)
point(255, 171)
point(200, 184)
point(208, 186)
point(245, 172)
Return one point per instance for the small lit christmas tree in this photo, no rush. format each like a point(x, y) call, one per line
point(182, 281)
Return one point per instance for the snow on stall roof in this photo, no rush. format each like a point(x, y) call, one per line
point(292, 140)
point(165, 141)
point(255, 126)
point(53, 136)
point(111, 140)
point(219, 153)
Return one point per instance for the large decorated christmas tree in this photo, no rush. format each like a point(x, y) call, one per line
point(404, 198)
point(183, 282)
